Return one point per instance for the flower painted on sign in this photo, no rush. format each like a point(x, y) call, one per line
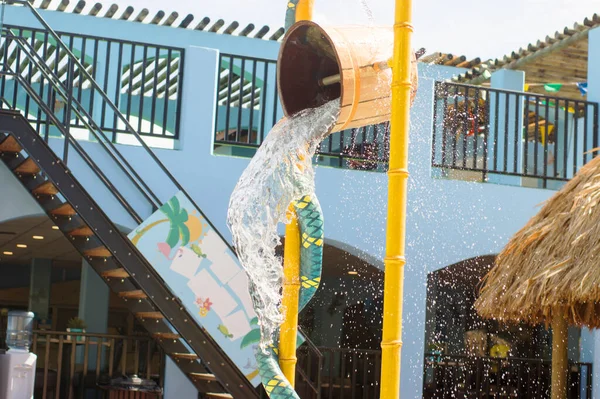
point(204, 305)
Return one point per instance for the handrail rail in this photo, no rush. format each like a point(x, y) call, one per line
point(76, 145)
point(508, 91)
point(309, 343)
point(99, 335)
point(521, 359)
point(352, 350)
point(91, 126)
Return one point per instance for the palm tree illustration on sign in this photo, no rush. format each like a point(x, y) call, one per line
point(177, 218)
point(183, 228)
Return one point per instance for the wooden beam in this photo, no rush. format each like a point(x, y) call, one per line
point(521, 62)
point(551, 77)
point(560, 65)
point(560, 360)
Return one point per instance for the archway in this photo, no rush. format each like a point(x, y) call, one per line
point(346, 311)
point(454, 327)
point(467, 355)
point(344, 320)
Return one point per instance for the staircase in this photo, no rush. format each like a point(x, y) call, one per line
point(42, 167)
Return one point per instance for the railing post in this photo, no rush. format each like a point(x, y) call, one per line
point(67, 110)
point(506, 128)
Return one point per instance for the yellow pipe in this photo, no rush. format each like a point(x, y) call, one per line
point(291, 267)
point(391, 343)
point(304, 10)
point(291, 292)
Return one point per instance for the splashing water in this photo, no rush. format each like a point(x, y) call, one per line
point(367, 10)
point(279, 173)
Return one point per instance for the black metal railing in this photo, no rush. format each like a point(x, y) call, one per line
point(248, 107)
point(247, 100)
point(309, 371)
point(485, 377)
point(72, 365)
point(364, 148)
point(143, 80)
point(351, 373)
point(501, 133)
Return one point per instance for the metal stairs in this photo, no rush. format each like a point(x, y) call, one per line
point(117, 260)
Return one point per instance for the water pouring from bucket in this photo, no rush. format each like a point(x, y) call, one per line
point(329, 79)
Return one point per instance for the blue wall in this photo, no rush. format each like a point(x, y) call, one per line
point(448, 220)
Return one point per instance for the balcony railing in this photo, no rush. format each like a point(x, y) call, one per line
point(467, 377)
point(248, 107)
point(143, 80)
point(73, 365)
point(505, 136)
point(309, 371)
point(247, 100)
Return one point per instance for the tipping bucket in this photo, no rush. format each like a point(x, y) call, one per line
point(317, 65)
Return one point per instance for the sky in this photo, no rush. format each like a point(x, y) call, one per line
point(475, 28)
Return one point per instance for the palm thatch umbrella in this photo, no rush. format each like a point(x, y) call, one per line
point(549, 272)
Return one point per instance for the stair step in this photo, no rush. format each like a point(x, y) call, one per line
point(166, 336)
point(10, 145)
point(68, 223)
point(115, 273)
point(100, 252)
point(185, 356)
point(64, 210)
point(84, 231)
point(46, 188)
point(28, 167)
point(203, 376)
point(136, 294)
point(149, 315)
point(218, 395)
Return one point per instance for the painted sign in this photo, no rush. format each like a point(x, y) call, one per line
point(205, 274)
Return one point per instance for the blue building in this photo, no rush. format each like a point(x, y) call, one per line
point(115, 113)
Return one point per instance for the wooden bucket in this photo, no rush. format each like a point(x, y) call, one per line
point(357, 55)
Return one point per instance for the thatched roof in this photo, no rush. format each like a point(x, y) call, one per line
point(557, 58)
point(554, 261)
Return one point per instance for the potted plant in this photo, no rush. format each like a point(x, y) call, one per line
point(76, 325)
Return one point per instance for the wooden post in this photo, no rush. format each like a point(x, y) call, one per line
point(560, 361)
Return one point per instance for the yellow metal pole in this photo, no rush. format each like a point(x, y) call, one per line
point(291, 291)
point(304, 10)
point(391, 343)
point(291, 267)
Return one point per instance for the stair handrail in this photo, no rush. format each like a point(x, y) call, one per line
point(44, 107)
point(304, 373)
point(81, 112)
point(102, 93)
